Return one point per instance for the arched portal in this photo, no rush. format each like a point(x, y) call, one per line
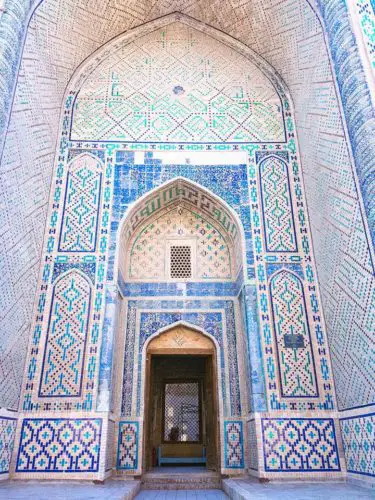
point(179, 248)
point(181, 398)
point(188, 181)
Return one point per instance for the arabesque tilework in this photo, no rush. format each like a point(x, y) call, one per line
point(7, 435)
point(145, 318)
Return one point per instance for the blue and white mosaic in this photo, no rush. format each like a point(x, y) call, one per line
point(300, 445)
point(233, 446)
point(128, 442)
point(358, 435)
point(7, 435)
point(59, 445)
point(97, 179)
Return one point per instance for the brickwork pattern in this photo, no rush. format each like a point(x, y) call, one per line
point(7, 435)
point(292, 445)
point(359, 446)
point(59, 445)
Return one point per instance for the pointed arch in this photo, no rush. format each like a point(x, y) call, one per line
point(169, 195)
point(229, 93)
point(292, 336)
point(65, 345)
point(78, 232)
point(277, 206)
point(217, 356)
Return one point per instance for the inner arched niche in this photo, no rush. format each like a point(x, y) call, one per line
point(180, 212)
point(176, 84)
point(211, 251)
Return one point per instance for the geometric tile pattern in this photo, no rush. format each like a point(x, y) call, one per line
point(178, 191)
point(174, 84)
point(148, 249)
point(340, 205)
point(64, 353)
point(293, 445)
point(252, 445)
point(292, 336)
point(358, 435)
point(81, 206)
point(293, 332)
point(7, 435)
point(87, 37)
point(315, 332)
point(366, 13)
point(277, 204)
point(79, 391)
point(127, 453)
point(207, 315)
point(59, 445)
point(233, 445)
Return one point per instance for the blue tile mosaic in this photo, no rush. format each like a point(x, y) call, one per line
point(59, 445)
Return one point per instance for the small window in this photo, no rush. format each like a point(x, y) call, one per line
point(180, 262)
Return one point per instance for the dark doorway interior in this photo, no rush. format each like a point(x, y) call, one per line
point(181, 417)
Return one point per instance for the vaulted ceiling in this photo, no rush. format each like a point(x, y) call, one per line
point(63, 33)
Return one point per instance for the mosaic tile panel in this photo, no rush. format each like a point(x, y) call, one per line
point(277, 206)
point(64, 354)
point(358, 435)
point(177, 84)
point(178, 191)
point(250, 317)
point(324, 374)
point(148, 250)
point(81, 205)
point(366, 13)
point(301, 345)
point(7, 435)
point(253, 445)
point(292, 337)
point(91, 312)
point(127, 453)
point(132, 181)
point(299, 445)
point(59, 445)
point(210, 316)
point(233, 445)
point(304, 39)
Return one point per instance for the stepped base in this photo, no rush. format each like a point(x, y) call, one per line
point(180, 478)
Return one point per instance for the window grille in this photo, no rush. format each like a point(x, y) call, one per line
point(181, 412)
point(180, 263)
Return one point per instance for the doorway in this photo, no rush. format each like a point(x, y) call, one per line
point(181, 416)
